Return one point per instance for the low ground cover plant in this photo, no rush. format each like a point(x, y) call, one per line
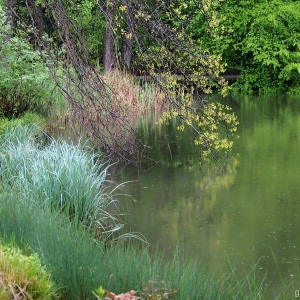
point(24, 277)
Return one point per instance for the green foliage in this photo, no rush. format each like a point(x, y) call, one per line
point(25, 119)
point(23, 76)
point(24, 277)
point(259, 79)
point(3, 123)
point(201, 21)
point(91, 25)
point(274, 43)
point(99, 293)
point(30, 118)
point(236, 19)
point(262, 41)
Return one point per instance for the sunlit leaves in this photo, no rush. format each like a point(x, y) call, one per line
point(184, 71)
point(213, 123)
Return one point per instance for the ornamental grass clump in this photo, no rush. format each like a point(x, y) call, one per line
point(57, 176)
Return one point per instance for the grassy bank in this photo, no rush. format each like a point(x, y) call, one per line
point(55, 203)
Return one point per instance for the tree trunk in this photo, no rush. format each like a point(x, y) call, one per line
point(10, 6)
point(108, 55)
point(38, 17)
point(127, 43)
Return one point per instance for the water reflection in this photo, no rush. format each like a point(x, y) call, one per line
point(245, 211)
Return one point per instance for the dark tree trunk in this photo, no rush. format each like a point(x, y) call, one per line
point(127, 43)
point(127, 51)
point(10, 11)
point(108, 55)
point(38, 17)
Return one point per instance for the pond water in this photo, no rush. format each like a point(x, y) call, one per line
point(246, 211)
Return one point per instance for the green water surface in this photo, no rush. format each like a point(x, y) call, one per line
point(244, 212)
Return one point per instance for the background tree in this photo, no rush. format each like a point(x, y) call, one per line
point(127, 46)
point(261, 40)
point(108, 54)
point(10, 20)
point(273, 43)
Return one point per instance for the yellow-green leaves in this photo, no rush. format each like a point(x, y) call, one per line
point(213, 123)
point(24, 277)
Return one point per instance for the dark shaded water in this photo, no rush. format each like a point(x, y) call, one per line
point(245, 212)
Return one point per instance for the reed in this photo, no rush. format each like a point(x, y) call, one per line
point(136, 95)
point(60, 111)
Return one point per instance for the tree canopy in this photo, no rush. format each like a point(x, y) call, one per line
point(262, 41)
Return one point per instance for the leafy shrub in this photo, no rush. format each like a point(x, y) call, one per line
point(271, 50)
point(23, 77)
point(23, 277)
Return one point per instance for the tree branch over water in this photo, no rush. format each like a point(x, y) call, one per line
point(142, 31)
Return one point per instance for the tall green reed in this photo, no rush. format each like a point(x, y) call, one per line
point(60, 112)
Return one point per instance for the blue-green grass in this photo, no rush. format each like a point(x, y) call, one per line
point(58, 176)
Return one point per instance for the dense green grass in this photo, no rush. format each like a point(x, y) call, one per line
point(79, 265)
point(52, 198)
point(69, 253)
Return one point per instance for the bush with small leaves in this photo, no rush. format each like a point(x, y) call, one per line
point(23, 277)
point(23, 77)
